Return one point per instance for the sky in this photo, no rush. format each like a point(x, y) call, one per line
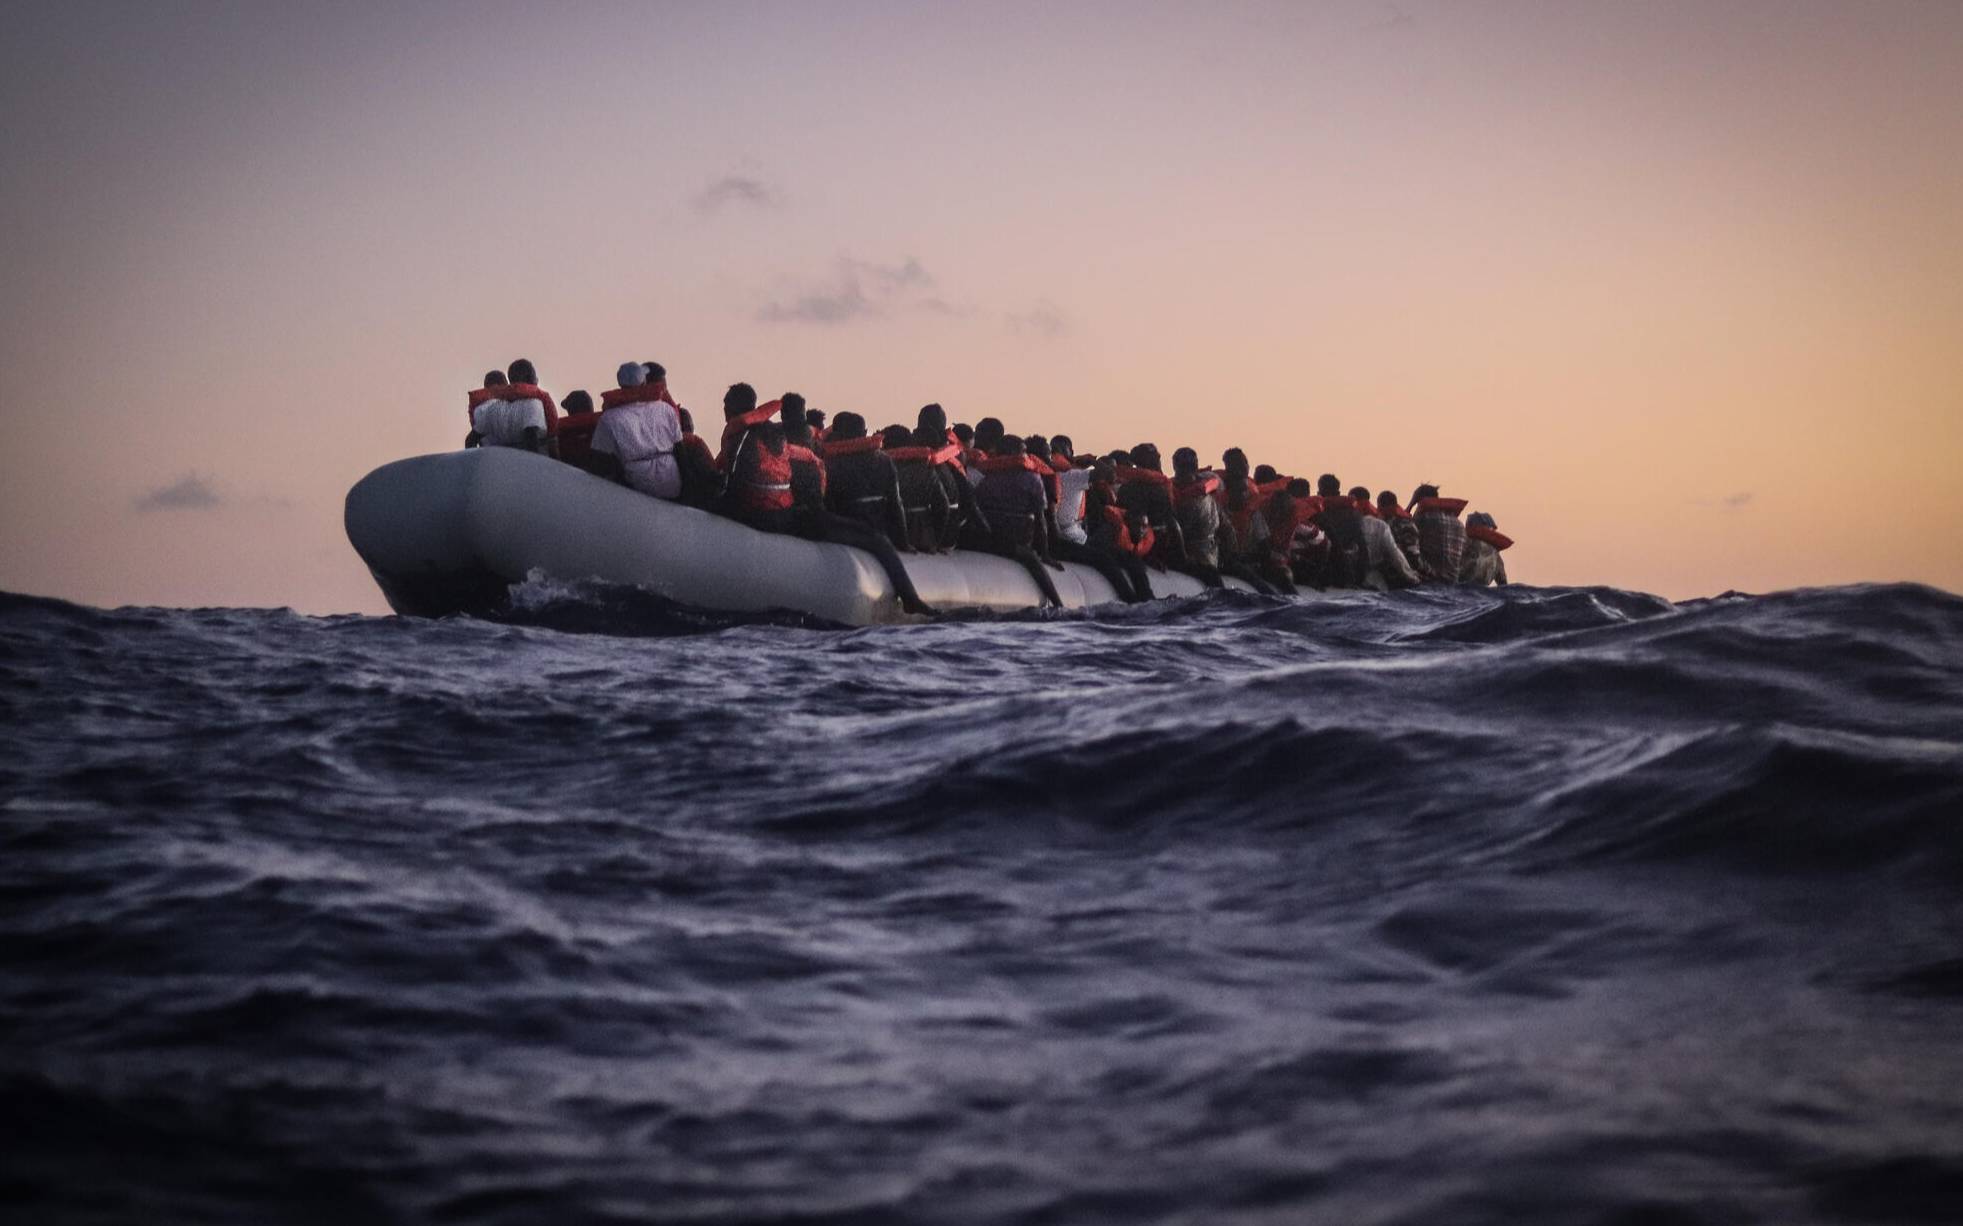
point(1673, 290)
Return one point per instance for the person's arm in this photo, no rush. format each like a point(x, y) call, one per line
point(896, 511)
point(1397, 571)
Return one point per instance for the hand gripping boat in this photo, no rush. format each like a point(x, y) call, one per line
point(451, 533)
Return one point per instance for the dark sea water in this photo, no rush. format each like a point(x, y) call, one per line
point(1531, 906)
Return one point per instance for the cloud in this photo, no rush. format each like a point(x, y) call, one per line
point(859, 289)
point(1043, 319)
point(190, 492)
point(738, 190)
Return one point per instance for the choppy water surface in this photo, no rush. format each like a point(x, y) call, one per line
point(1558, 906)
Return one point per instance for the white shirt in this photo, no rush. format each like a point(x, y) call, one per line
point(1381, 556)
point(1072, 486)
point(644, 435)
point(502, 423)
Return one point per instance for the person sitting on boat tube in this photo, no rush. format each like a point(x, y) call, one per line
point(492, 388)
point(1385, 566)
point(741, 414)
point(1482, 563)
point(1014, 511)
point(639, 430)
point(700, 480)
point(1441, 537)
point(518, 414)
point(572, 437)
point(861, 481)
point(1404, 530)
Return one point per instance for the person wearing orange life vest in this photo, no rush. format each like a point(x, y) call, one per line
point(1197, 514)
point(937, 496)
point(1285, 516)
point(741, 414)
point(861, 481)
point(700, 480)
point(491, 388)
point(1337, 518)
point(1441, 537)
point(1121, 539)
point(1482, 563)
point(518, 414)
point(640, 427)
point(1014, 509)
point(1145, 489)
point(1404, 530)
point(572, 436)
point(1385, 567)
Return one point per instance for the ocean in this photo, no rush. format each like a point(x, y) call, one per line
point(1505, 906)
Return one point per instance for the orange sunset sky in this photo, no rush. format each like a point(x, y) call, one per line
point(1675, 291)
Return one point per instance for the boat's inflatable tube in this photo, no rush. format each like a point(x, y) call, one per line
point(450, 533)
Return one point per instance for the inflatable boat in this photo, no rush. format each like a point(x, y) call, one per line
point(451, 533)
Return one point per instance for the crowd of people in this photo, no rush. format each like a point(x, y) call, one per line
point(935, 486)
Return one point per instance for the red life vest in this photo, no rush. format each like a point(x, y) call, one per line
point(1126, 473)
point(852, 446)
point(804, 455)
point(1364, 507)
point(1115, 515)
point(1395, 512)
point(950, 454)
point(1281, 532)
point(1447, 506)
point(762, 481)
point(575, 434)
point(1207, 486)
point(646, 393)
point(1492, 536)
point(511, 391)
point(733, 428)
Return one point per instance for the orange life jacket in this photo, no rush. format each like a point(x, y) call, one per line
point(575, 434)
point(1206, 486)
point(1492, 536)
point(762, 481)
point(512, 391)
point(852, 446)
point(733, 428)
point(646, 393)
point(804, 455)
point(1447, 506)
point(950, 454)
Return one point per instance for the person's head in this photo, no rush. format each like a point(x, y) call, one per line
point(1103, 473)
point(1061, 444)
point(1298, 488)
point(848, 426)
point(1421, 493)
point(656, 372)
point(1038, 446)
point(1328, 487)
point(521, 372)
point(988, 434)
point(1146, 456)
point(1264, 474)
point(1387, 500)
point(815, 418)
point(932, 417)
point(964, 433)
point(494, 378)
point(1008, 444)
point(632, 374)
point(792, 412)
point(688, 420)
point(896, 435)
point(1359, 495)
point(741, 398)
point(577, 402)
point(1186, 462)
point(1479, 519)
point(1234, 460)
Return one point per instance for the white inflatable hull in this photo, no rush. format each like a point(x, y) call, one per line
point(450, 533)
